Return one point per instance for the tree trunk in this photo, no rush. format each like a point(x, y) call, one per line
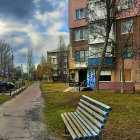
point(97, 78)
point(122, 70)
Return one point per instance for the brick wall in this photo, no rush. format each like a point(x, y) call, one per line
point(115, 86)
point(133, 63)
point(75, 5)
point(77, 45)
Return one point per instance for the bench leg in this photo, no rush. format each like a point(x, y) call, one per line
point(97, 138)
point(65, 128)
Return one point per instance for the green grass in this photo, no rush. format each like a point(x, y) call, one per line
point(27, 83)
point(122, 123)
point(4, 98)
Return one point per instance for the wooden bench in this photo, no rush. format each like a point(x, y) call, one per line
point(87, 121)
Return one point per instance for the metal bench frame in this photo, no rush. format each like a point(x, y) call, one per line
point(87, 121)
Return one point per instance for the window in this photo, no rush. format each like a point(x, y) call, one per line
point(105, 76)
point(97, 29)
point(127, 75)
point(64, 72)
point(65, 66)
point(81, 55)
point(77, 55)
point(81, 34)
point(126, 4)
point(127, 27)
point(128, 52)
point(95, 51)
point(80, 13)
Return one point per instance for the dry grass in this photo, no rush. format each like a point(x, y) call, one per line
point(122, 123)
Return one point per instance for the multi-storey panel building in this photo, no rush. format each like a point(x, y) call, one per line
point(60, 73)
point(86, 47)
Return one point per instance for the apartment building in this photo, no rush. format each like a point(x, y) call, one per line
point(60, 69)
point(78, 40)
point(86, 44)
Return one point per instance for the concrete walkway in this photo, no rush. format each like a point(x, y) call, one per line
point(21, 118)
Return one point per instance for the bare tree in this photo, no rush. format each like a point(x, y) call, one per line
point(6, 58)
point(62, 59)
point(30, 63)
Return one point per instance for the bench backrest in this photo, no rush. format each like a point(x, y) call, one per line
point(93, 113)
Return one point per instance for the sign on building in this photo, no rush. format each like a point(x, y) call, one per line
point(91, 78)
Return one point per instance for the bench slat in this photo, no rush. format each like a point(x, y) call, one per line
point(89, 123)
point(69, 127)
point(73, 126)
point(91, 130)
point(97, 103)
point(91, 118)
point(95, 108)
point(78, 126)
point(92, 112)
point(90, 135)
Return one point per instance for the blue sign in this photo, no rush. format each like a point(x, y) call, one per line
point(7, 72)
point(91, 78)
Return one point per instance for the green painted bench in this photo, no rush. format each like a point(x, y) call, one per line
point(87, 121)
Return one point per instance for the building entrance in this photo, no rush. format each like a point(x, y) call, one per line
point(83, 76)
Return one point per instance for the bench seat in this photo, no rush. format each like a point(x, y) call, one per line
point(87, 121)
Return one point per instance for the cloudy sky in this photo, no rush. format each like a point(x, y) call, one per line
point(33, 24)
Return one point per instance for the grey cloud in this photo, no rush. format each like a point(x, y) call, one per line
point(16, 8)
point(45, 6)
point(22, 9)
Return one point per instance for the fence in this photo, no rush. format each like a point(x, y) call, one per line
point(18, 86)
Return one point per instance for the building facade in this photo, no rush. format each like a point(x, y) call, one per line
point(59, 59)
point(86, 43)
point(78, 40)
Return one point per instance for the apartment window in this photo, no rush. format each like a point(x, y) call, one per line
point(128, 52)
point(77, 55)
point(54, 60)
point(64, 72)
point(80, 13)
point(97, 29)
point(126, 4)
point(81, 55)
point(105, 76)
point(65, 66)
point(81, 34)
point(54, 54)
point(127, 75)
point(127, 27)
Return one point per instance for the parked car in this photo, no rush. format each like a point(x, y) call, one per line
point(4, 86)
point(13, 80)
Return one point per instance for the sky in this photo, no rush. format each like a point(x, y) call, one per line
point(33, 24)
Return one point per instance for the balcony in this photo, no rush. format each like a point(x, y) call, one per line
point(94, 62)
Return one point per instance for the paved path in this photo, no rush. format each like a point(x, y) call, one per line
point(21, 118)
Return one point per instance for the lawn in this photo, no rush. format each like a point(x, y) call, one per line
point(27, 83)
point(122, 123)
point(4, 98)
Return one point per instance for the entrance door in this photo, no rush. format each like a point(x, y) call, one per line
point(83, 76)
